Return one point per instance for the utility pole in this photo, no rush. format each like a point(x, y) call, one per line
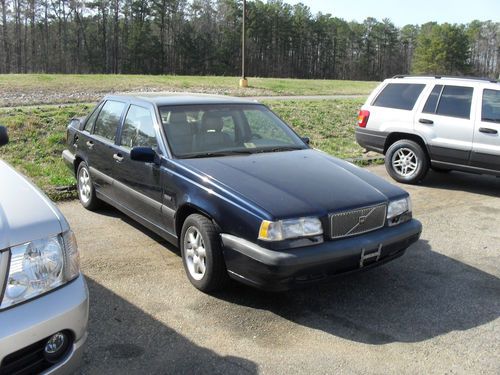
point(243, 79)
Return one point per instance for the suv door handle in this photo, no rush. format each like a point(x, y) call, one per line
point(488, 131)
point(118, 158)
point(425, 121)
point(90, 144)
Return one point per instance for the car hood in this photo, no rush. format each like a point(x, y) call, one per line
point(25, 212)
point(295, 183)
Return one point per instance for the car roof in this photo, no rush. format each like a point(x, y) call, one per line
point(179, 99)
point(447, 79)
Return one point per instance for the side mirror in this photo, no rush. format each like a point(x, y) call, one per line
point(306, 140)
point(144, 154)
point(4, 137)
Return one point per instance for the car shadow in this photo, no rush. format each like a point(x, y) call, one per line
point(123, 339)
point(417, 297)
point(461, 181)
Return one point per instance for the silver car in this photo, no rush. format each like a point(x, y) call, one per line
point(43, 296)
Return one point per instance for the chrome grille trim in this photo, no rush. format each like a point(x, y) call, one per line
point(350, 223)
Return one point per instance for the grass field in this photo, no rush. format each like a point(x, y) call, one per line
point(31, 89)
point(38, 135)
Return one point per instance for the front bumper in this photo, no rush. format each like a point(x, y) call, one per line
point(282, 270)
point(64, 309)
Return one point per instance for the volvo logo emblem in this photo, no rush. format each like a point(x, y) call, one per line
point(362, 219)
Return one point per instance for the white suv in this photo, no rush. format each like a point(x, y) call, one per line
point(443, 123)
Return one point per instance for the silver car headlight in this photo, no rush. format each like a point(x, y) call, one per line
point(399, 211)
point(290, 228)
point(39, 266)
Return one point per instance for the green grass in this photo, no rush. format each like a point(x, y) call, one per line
point(37, 135)
point(69, 87)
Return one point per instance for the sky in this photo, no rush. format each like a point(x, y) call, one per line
point(403, 12)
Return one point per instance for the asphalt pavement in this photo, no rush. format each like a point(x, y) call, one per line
point(433, 311)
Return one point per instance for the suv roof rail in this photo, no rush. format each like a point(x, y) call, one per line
point(486, 79)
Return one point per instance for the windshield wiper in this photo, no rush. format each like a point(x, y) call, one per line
point(210, 154)
point(281, 148)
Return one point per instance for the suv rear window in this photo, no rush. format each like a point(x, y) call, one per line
point(399, 95)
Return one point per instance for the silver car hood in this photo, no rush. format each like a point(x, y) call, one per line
point(25, 212)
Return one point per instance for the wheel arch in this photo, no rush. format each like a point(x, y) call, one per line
point(186, 210)
point(397, 136)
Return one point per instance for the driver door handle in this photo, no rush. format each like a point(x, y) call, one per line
point(118, 158)
point(426, 121)
point(488, 131)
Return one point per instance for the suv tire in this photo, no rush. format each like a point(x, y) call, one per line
point(406, 161)
point(202, 256)
point(85, 188)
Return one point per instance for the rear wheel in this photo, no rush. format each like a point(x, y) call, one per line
point(406, 161)
point(85, 188)
point(202, 254)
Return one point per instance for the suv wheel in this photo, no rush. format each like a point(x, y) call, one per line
point(406, 161)
point(202, 254)
point(85, 188)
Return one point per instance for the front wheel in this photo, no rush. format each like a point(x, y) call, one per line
point(202, 254)
point(406, 161)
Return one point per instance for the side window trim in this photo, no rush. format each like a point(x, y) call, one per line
point(439, 99)
point(118, 138)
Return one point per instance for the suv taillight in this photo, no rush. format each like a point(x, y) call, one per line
point(363, 118)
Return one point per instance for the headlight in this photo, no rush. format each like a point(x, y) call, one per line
point(399, 211)
point(292, 228)
point(39, 266)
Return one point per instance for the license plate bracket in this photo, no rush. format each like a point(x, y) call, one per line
point(367, 255)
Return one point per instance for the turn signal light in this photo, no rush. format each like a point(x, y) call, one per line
point(363, 118)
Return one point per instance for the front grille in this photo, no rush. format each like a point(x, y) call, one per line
point(362, 220)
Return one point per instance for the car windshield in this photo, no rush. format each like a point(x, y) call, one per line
point(226, 129)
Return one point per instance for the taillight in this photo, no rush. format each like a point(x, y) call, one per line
point(363, 118)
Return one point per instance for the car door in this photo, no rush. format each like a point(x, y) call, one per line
point(137, 184)
point(486, 144)
point(446, 122)
point(100, 146)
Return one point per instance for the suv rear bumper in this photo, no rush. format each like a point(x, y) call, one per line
point(282, 270)
point(64, 309)
point(371, 140)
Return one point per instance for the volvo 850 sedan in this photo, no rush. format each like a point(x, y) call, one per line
point(44, 302)
point(237, 190)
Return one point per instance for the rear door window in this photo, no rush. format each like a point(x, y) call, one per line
point(433, 99)
point(108, 120)
point(90, 122)
point(455, 101)
point(399, 96)
point(490, 110)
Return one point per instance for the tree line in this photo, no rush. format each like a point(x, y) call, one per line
point(203, 37)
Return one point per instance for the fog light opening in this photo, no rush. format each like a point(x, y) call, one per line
point(56, 347)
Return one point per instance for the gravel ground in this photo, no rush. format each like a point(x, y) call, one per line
point(434, 310)
point(10, 98)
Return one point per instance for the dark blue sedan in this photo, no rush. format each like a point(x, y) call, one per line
point(239, 192)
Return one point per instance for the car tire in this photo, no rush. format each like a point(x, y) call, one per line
point(85, 188)
point(406, 161)
point(202, 255)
